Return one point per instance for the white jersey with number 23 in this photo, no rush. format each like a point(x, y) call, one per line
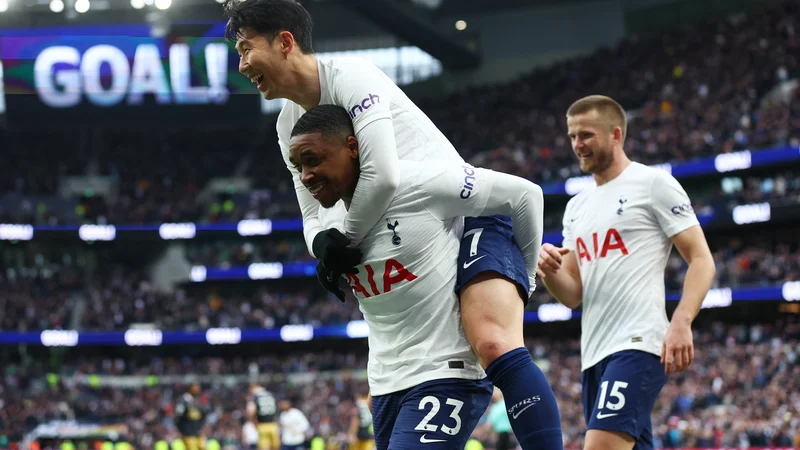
point(406, 283)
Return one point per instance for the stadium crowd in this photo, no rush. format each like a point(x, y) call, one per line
point(742, 390)
point(696, 90)
point(42, 292)
point(693, 91)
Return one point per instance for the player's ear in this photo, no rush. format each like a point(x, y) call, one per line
point(352, 146)
point(618, 133)
point(286, 41)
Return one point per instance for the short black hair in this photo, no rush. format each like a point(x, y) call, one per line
point(330, 120)
point(269, 18)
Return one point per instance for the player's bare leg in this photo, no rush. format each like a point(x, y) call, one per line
point(608, 440)
point(493, 314)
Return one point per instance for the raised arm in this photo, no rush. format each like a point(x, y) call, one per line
point(378, 180)
point(462, 190)
point(364, 91)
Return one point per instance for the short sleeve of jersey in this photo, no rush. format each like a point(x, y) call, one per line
point(569, 239)
point(451, 189)
point(671, 205)
point(363, 90)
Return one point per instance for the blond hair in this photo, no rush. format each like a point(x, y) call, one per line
point(608, 109)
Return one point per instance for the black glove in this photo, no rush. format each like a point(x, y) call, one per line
point(330, 281)
point(330, 247)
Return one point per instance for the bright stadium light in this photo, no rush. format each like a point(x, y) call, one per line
point(138, 4)
point(57, 6)
point(82, 6)
point(163, 4)
point(3, 6)
point(220, 1)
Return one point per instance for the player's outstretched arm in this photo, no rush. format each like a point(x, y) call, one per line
point(364, 91)
point(462, 190)
point(378, 180)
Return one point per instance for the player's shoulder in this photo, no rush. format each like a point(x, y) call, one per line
point(346, 64)
point(289, 115)
point(346, 74)
point(641, 173)
point(653, 179)
point(418, 173)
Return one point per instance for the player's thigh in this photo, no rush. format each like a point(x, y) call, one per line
point(363, 444)
point(268, 437)
point(192, 442)
point(385, 409)
point(608, 440)
point(440, 415)
point(626, 394)
point(492, 280)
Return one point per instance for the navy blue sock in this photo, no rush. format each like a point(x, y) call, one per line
point(530, 402)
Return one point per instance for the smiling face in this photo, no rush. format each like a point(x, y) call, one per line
point(593, 140)
point(265, 63)
point(328, 165)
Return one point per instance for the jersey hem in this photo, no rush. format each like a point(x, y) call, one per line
point(415, 381)
point(596, 360)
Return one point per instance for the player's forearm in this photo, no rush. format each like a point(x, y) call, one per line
point(353, 427)
point(309, 208)
point(565, 288)
point(698, 281)
point(378, 180)
point(524, 202)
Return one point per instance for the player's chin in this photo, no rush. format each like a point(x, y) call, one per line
point(328, 202)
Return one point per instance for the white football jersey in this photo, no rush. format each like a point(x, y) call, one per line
point(294, 427)
point(368, 95)
point(620, 233)
point(406, 283)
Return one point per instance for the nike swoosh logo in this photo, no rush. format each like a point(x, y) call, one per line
point(602, 416)
point(467, 264)
point(425, 440)
point(516, 414)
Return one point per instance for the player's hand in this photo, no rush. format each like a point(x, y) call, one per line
point(677, 351)
point(330, 281)
point(550, 258)
point(331, 248)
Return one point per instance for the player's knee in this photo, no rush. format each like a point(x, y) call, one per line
point(490, 349)
point(492, 313)
point(608, 440)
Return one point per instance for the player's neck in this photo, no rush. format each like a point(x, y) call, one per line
point(621, 162)
point(306, 82)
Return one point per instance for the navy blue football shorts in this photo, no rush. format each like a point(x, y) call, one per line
point(488, 245)
point(619, 394)
point(435, 415)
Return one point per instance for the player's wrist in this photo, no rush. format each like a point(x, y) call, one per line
point(679, 318)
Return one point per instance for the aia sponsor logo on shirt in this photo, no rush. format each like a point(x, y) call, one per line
point(365, 104)
point(393, 273)
point(600, 245)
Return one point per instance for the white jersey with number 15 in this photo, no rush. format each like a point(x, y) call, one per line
point(620, 233)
